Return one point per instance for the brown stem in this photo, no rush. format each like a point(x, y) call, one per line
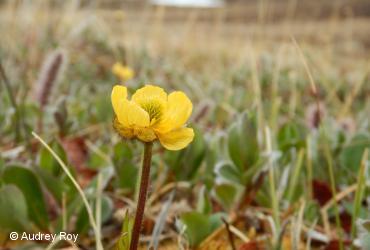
point(229, 234)
point(144, 183)
point(250, 192)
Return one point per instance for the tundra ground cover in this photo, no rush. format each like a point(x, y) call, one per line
point(281, 111)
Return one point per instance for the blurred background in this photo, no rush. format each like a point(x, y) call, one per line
point(280, 90)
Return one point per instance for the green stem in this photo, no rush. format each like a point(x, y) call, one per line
point(334, 191)
point(273, 194)
point(295, 175)
point(309, 167)
point(361, 186)
point(144, 183)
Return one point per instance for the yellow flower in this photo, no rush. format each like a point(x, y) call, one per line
point(152, 114)
point(124, 73)
point(119, 15)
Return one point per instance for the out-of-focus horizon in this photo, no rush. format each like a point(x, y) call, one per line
point(163, 23)
point(315, 21)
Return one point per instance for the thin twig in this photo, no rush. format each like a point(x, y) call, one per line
point(314, 91)
point(250, 191)
point(229, 234)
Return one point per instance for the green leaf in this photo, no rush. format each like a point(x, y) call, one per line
point(13, 210)
point(243, 142)
point(199, 226)
point(76, 205)
point(26, 180)
point(228, 171)
point(215, 153)
point(51, 174)
point(47, 162)
point(204, 204)
point(54, 185)
point(122, 151)
point(83, 223)
point(215, 221)
point(290, 135)
point(126, 169)
point(125, 239)
point(96, 160)
point(250, 173)
point(226, 194)
point(103, 108)
point(312, 211)
point(106, 208)
point(351, 155)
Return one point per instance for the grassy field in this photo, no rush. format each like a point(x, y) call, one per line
point(281, 107)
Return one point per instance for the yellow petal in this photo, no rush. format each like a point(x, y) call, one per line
point(125, 132)
point(177, 139)
point(117, 69)
point(118, 96)
point(135, 115)
point(145, 134)
point(123, 72)
point(179, 108)
point(128, 113)
point(149, 93)
point(129, 73)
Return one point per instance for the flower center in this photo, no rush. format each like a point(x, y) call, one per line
point(154, 109)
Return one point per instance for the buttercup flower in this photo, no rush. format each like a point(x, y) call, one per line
point(152, 114)
point(124, 73)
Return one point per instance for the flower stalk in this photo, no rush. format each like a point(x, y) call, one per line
point(144, 183)
point(151, 115)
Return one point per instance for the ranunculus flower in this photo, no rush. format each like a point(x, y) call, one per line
point(151, 114)
point(124, 73)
